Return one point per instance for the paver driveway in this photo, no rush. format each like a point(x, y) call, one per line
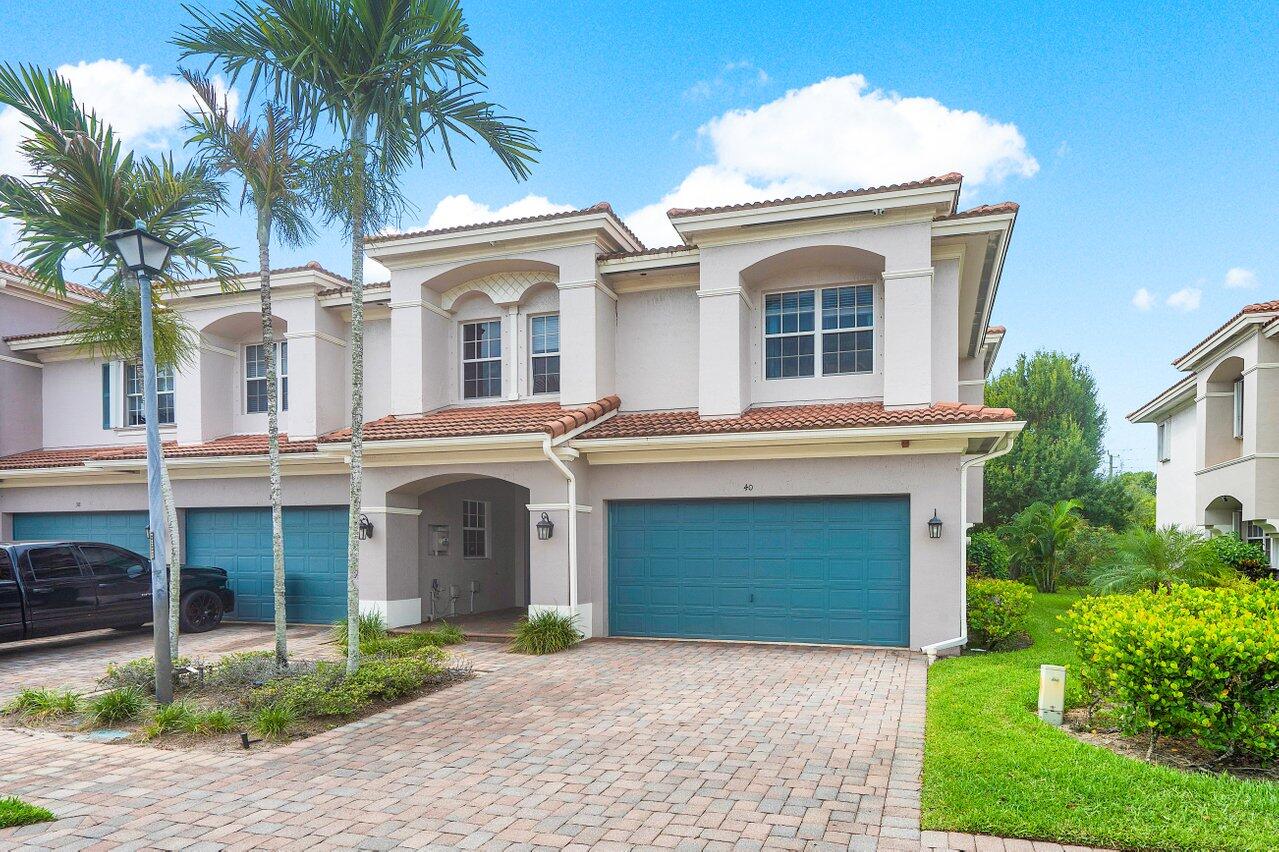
point(613, 744)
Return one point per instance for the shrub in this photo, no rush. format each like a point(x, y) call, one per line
point(1190, 663)
point(177, 716)
point(118, 705)
point(274, 721)
point(388, 679)
point(997, 610)
point(987, 555)
point(1091, 547)
point(14, 811)
point(400, 644)
point(208, 722)
point(138, 674)
point(1039, 536)
point(43, 703)
point(547, 632)
point(1157, 559)
point(372, 626)
point(1246, 557)
point(254, 668)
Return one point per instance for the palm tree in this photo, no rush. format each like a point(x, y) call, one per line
point(1157, 559)
point(1039, 535)
point(82, 185)
point(274, 165)
point(396, 78)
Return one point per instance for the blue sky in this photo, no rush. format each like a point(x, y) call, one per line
point(1141, 140)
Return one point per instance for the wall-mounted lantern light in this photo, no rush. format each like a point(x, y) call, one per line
point(934, 526)
point(545, 528)
point(366, 528)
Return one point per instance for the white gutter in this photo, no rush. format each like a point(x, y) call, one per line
point(962, 639)
point(549, 452)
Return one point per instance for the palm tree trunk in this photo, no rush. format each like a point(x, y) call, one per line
point(175, 559)
point(272, 436)
point(357, 151)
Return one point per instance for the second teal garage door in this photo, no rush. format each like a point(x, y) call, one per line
point(239, 540)
point(828, 570)
point(123, 529)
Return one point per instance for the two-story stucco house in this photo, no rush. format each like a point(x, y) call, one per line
point(1217, 432)
point(741, 437)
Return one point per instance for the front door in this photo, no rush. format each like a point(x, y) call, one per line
point(61, 593)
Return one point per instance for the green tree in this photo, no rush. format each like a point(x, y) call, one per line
point(1057, 455)
point(1039, 537)
point(1159, 558)
point(273, 163)
point(396, 78)
point(83, 185)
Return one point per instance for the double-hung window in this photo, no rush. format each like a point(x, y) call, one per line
point(255, 387)
point(1238, 407)
point(475, 533)
point(545, 351)
point(134, 410)
point(845, 343)
point(482, 359)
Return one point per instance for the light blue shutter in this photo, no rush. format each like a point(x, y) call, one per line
point(106, 395)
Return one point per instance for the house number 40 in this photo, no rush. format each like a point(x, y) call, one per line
point(748, 487)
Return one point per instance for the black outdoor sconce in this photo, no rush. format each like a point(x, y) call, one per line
point(366, 528)
point(545, 529)
point(934, 526)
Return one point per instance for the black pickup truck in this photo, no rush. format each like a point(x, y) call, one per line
point(48, 588)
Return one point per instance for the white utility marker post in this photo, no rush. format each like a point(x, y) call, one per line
point(145, 255)
point(1052, 694)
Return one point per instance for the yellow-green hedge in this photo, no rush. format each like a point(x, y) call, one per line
point(997, 610)
point(1197, 664)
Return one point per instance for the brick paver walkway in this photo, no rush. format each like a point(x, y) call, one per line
point(611, 745)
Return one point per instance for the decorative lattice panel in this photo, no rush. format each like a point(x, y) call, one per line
point(503, 288)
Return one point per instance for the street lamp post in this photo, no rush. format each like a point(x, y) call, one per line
point(145, 255)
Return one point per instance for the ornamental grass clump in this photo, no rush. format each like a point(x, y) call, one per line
point(547, 632)
point(1196, 664)
point(997, 611)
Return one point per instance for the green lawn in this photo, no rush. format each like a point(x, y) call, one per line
point(17, 812)
point(991, 767)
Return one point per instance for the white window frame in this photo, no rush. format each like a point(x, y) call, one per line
point(485, 517)
point(819, 331)
point(1238, 407)
point(128, 416)
point(534, 356)
point(499, 359)
point(1163, 440)
point(281, 375)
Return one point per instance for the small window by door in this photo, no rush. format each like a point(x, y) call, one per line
point(475, 529)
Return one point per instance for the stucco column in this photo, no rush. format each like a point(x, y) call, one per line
point(304, 384)
point(188, 399)
point(908, 338)
point(588, 319)
point(723, 318)
point(549, 560)
point(389, 563)
point(511, 351)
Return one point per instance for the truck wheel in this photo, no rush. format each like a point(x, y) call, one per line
point(201, 611)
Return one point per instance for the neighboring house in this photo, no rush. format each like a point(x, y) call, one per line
point(741, 437)
point(1217, 432)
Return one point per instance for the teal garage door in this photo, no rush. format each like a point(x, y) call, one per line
point(123, 529)
point(829, 570)
point(239, 540)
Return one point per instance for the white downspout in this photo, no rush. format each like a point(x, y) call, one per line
point(549, 452)
point(962, 639)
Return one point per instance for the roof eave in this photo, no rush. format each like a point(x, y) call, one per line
point(1165, 403)
point(1221, 337)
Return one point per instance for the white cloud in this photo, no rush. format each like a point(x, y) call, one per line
point(838, 134)
point(374, 271)
point(144, 109)
point(463, 210)
point(1237, 277)
point(733, 78)
point(1143, 299)
point(1186, 299)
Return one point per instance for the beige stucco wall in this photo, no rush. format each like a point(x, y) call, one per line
point(1175, 478)
point(21, 398)
point(657, 326)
